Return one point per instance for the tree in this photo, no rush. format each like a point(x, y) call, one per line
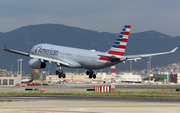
point(36, 76)
point(44, 78)
point(156, 78)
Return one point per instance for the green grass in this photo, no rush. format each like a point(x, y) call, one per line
point(149, 86)
point(115, 94)
point(55, 85)
point(133, 86)
point(5, 100)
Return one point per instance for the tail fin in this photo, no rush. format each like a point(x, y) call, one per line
point(119, 45)
point(31, 78)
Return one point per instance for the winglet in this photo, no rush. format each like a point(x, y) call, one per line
point(172, 51)
point(5, 48)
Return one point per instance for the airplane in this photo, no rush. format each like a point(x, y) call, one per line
point(81, 58)
point(152, 82)
point(28, 80)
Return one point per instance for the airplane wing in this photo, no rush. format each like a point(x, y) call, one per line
point(14, 51)
point(134, 57)
point(50, 60)
point(41, 58)
point(149, 55)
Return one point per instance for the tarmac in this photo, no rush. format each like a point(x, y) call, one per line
point(69, 87)
point(87, 106)
point(67, 104)
point(73, 104)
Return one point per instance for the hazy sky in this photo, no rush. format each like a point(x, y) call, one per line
point(99, 15)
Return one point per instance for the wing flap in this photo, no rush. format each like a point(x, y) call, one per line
point(51, 60)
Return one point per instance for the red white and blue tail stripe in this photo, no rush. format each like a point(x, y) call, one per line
point(119, 45)
point(32, 78)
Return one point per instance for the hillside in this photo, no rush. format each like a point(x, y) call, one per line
point(24, 38)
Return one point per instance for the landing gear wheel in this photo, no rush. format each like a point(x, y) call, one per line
point(58, 72)
point(94, 76)
point(87, 72)
point(59, 75)
point(90, 76)
point(64, 76)
point(90, 73)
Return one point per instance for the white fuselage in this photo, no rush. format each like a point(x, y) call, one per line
point(78, 58)
point(24, 80)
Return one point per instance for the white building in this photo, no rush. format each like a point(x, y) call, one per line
point(178, 78)
point(129, 77)
point(3, 72)
point(100, 77)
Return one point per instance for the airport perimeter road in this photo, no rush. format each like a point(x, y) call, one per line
point(74, 104)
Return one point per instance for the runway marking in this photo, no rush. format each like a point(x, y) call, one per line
point(90, 106)
point(37, 112)
point(27, 97)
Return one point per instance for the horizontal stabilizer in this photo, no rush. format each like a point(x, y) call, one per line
point(113, 58)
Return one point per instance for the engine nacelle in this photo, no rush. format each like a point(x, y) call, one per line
point(37, 64)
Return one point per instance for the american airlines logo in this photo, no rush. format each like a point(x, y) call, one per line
point(47, 51)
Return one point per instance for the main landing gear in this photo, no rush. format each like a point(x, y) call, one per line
point(60, 74)
point(91, 74)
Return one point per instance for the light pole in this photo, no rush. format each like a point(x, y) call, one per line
point(11, 69)
point(21, 67)
point(149, 68)
point(101, 76)
point(17, 66)
point(130, 66)
point(19, 72)
point(41, 75)
point(48, 70)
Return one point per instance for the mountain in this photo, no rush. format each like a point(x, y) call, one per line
point(24, 38)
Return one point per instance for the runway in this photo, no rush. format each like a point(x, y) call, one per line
point(92, 98)
point(75, 104)
point(84, 104)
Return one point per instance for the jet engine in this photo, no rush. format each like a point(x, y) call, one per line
point(37, 64)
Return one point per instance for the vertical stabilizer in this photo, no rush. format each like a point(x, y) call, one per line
point(32, 78)
point(119, 45)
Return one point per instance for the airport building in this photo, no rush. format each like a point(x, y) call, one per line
point(74, 77)
point(129, 78)
point(100, 77)
point(169, 78)
point(10, 80)
point(3, 72)
point(5, 80)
